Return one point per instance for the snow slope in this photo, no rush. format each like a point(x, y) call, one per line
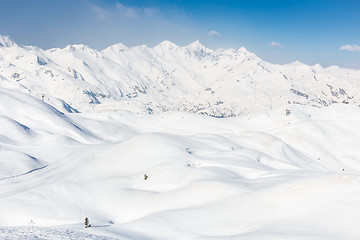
point(167, 77)
point(261, 176)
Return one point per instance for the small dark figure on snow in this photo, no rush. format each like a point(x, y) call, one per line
point(146, 176)
point(87, 223)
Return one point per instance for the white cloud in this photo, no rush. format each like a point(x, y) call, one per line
point(348, 47)
point(99, 12)
point(135, 12)
point(213, 33)
point(127, 11)
point(275, 45)
point(150, 11)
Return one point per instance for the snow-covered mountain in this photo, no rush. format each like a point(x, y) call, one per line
point(167, 77)
point(267, 175)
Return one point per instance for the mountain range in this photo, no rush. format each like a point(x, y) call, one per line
point(219, 83)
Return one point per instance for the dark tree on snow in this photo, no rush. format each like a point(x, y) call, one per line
point(87, 223)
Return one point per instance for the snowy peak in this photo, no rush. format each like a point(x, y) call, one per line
point(166, 45)
point(5, 41)
point(317, 67)
point(199, 51)
point(297, 64)
point(76, 47)
point(244, 51)
point(119, 47)
point(196, 45)
point(81, 51)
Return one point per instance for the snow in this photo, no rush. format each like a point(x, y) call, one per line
point(32, 233)
point(273, 176)
point(259, 175)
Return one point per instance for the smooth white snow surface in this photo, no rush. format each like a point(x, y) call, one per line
point(261, 176)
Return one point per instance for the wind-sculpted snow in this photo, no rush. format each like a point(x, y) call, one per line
point(221, 83)
point(266, 175)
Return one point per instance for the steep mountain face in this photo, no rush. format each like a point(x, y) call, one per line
point(167, 77)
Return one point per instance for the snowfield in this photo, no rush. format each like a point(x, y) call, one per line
point(266, 175)
point(262, 174)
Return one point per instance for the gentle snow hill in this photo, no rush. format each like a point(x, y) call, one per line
point(167, 77)
point(265, 175)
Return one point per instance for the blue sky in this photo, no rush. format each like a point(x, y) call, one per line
point(311, 31)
